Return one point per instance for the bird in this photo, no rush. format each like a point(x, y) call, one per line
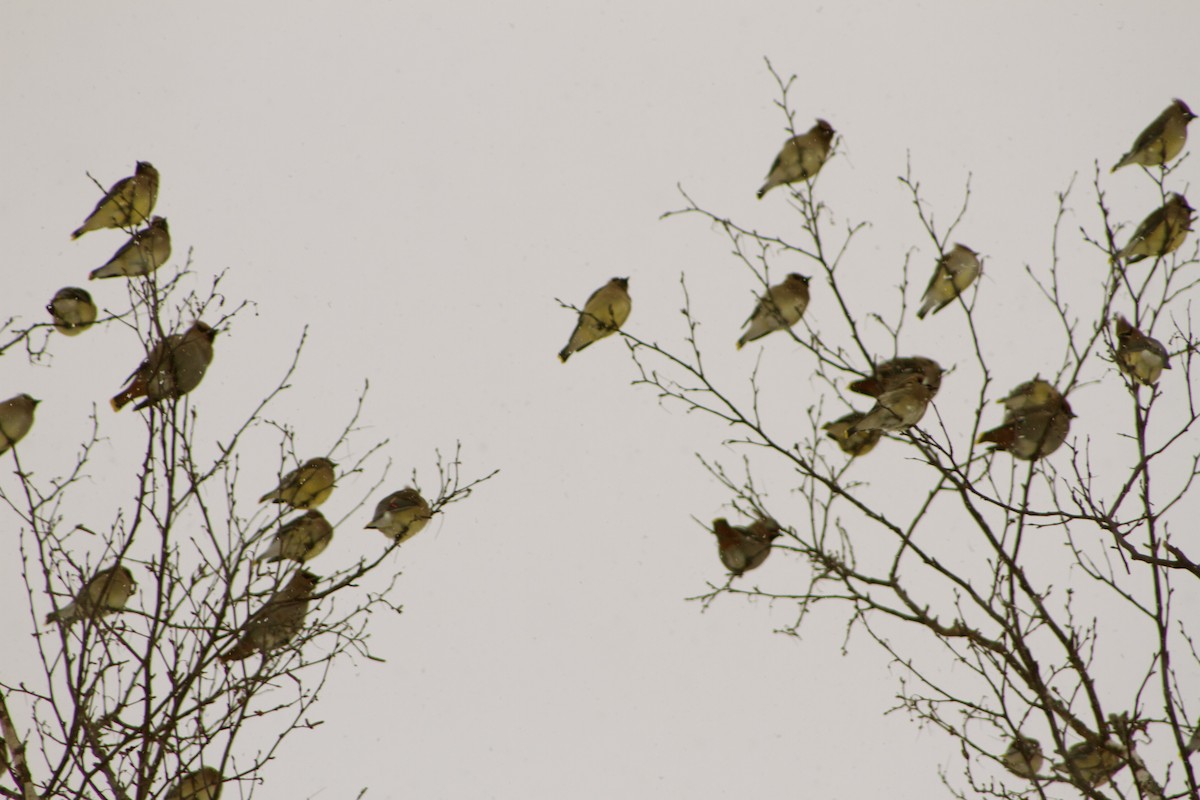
point(106, 593)
point(801, 157)
point(173, 368)
point(1160, 233)
point(1037, 419)
point(1095, 763)
point(203, 784)
point(278, 621)
point(603, 314)
point(300, 539)
point(888, 374)
point(955, 271)
point(16, 418)
point(401, 515)
point(1031, 395)
point(146, 251)
point(1138, 355)
point(897, 409)
point(1023, 757)
point(128, 203)
point(780, 308)
point(854, 444)
point(1162, 140)
point(305, 487)
point(73, 310)
point(743, 549)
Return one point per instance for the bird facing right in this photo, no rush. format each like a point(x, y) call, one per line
point(897, 409)
point(1161, 233)
point(743, 549)
point(801, 157)
point(955, 271)
point(16, 418)
point(401, 515)
point(603, 315)
point(301, 539)
point(128, 203)
point(146, 251)
point(278, 621)
point(105, 593)
point(172, 369)
point(1162, 139)
point(887, 375)
point(1023, 757)
point(305, 487)
point(779, 309)
point(203, 784)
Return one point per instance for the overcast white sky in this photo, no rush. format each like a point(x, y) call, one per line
point(417, 182)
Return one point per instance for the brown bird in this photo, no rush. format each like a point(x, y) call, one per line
point(401, 515)
point(301, 539)
point(897, 409)
point(173, 368)
point(955, 271)
point(743, 549)
point(854, 444)
point(278, 621)
point(1030, 396)
point(1023, 757)
point(801, 157)
point(1161, 233)
point(1036, 422)
point(1163, 138)
point(146, 251)
point(1095, 763)
point(72, 310)
point(1138, 355)
point(106, 593)
point(888, 374)
point(16, 418)
point(305, 487)
point(603, 314)
point(128, 203)
point(780, 308)
point(203, 784)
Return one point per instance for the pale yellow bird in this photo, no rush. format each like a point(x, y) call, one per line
point(172, 369)
point(401, 515)
point(1095, 763)
point(305, 487)
point(106, 593)
point(1161, 233)
point(955, 271)
point(897, 409)
point(300, 539)
point(127, 204)
point(73, 310)
point(780, 308)
point(801, 157)
point(743, 549)
point(853, 444)
point(1163, 138)
point(146, 251)
point(16, 418)
point(1023, 757)
point(887, 375)
point(203, 784)
point(1030, 396)
point(603, 315)
point(279, 620)
point(1140, 356)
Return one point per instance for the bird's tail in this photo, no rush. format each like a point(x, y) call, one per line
point(564, 354)
point(1002, 437)
point(80, 231)
point(123, 399)
point(239, 652)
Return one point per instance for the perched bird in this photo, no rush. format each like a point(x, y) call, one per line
point(401, 515)
point(858, 443)
point(1161, 233)
point(301, 539)
point(1162, 140)
point(801, 157)
point(73, 310)
point(305, 487)
point(16, 418)
point(1023, 757)
point(888, 374)
point(172, 369)
point(128, 203)
point(955, 271)
point(203, 784)
point(603, 314)
point(1030, 396)
point(743, 549)
point(146, 251)
point(1141, 357)
point(1095, 763)
point(1037, 420)
point(897, 409)
point(106, 593)
point(781, 307)
point(278, 621)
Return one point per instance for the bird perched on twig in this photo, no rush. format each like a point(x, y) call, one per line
point(300, 539)
point(128, 203)
point(1037, 420)
point(203, 784)
point(106, 593)
point(1095, 763)
point(16, 418)
point(897, 409)
point(1160, 233)
point(401, 515)
point(801, 157)
point(173, 368)
point(854, 444)
point(887, 375)
point(146, 251)
point(955, 271)
point(603, 315)
point(743, 549)
point(1162, 140)
point(278, 621)
point(780, 308)
point(305, 487)
point(1138, 355)
point(73, 310)
point(1023, 757)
